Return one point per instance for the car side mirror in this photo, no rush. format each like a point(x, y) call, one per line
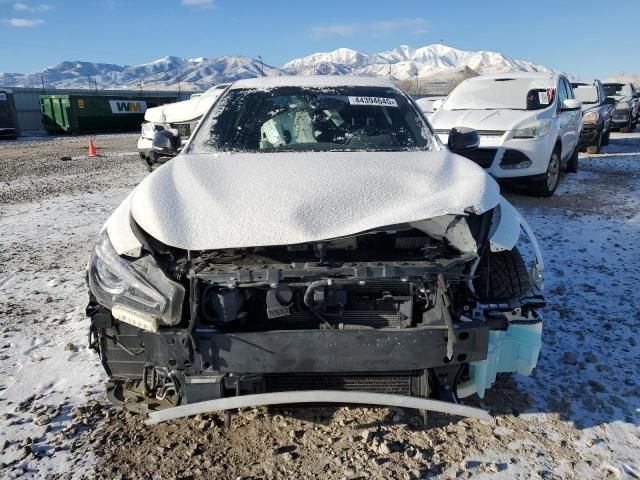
point(570, 105)
point(463, 139)
point(166, 143)
point(610, 101)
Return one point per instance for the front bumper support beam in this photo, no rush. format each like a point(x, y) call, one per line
point(316, 396)
point(318, 351)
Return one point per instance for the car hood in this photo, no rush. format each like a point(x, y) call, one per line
point(620, 98)
point(481, 119)
point(215, 201)
point(590, 106)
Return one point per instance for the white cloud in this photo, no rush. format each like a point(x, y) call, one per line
point(333, 30)
point(413, 26)
point(203, 4)
point(23, 22)
point(23, 7)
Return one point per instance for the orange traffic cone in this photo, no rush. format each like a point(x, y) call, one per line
point(92, 149)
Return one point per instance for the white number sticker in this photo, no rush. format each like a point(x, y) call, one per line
point(543, 97)
point(377, 101)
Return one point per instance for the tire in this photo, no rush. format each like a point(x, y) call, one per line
point(605, 138)
point(591, 149)
point(501, 276)
point(547, 186)
point(627, 128)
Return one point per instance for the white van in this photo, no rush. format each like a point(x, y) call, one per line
point(529, 125)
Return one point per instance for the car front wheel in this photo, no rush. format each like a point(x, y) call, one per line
point(547, 186)
point(592, 149)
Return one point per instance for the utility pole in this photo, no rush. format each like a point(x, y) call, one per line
point(179, 91)
point(42, 80)
point(417, 85)
point(261, 65)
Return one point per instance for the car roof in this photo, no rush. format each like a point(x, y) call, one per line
point(314, 81)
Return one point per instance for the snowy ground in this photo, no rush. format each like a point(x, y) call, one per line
point(578, 416)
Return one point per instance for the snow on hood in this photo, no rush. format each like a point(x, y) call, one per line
point(481, 119)
point(215, 201)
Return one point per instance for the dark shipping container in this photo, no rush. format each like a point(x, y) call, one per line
point(8, 128)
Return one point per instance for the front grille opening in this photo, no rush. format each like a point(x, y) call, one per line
point(482, 156)
point(183, 128)
point(514, 159)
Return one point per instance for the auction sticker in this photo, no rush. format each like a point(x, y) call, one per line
point(376, 101)
point(543, 98)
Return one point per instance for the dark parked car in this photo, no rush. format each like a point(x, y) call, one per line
point(596, 115)
point(625, 101)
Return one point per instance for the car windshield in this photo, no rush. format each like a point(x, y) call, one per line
point(313, 119)
point(614, 89)
point(586, 94)
point(501, 93)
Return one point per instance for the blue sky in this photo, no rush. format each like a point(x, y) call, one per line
point(586, 38)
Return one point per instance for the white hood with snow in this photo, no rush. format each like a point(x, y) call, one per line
point(216, 201)
point(482, 119)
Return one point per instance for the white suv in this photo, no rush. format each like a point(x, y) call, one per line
point(529, 125)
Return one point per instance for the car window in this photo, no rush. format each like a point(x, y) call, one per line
point(562, 92)
point(587, 94)
point(613, 89)
point(314, 119)
point(602, 92)
point(569, 89)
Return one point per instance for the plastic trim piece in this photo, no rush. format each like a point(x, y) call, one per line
point(506, 234)
point(316, 396)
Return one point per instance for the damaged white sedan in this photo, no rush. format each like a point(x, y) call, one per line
point(313, 242)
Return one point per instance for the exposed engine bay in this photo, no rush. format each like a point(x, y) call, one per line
point(394, 310)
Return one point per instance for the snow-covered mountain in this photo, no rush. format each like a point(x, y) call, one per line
point(164, 73)
point(624, 77)
point(405, 62)
point(440, 62)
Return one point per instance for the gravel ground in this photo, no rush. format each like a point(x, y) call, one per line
point(32, 169)
point(576, 417)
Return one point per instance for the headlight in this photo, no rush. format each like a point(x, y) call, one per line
point(622, 106)
point(138, 290)
point(534, 130)
point(150, 128)
point(591, 117)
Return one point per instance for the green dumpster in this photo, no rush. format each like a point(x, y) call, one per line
point(76, 113)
